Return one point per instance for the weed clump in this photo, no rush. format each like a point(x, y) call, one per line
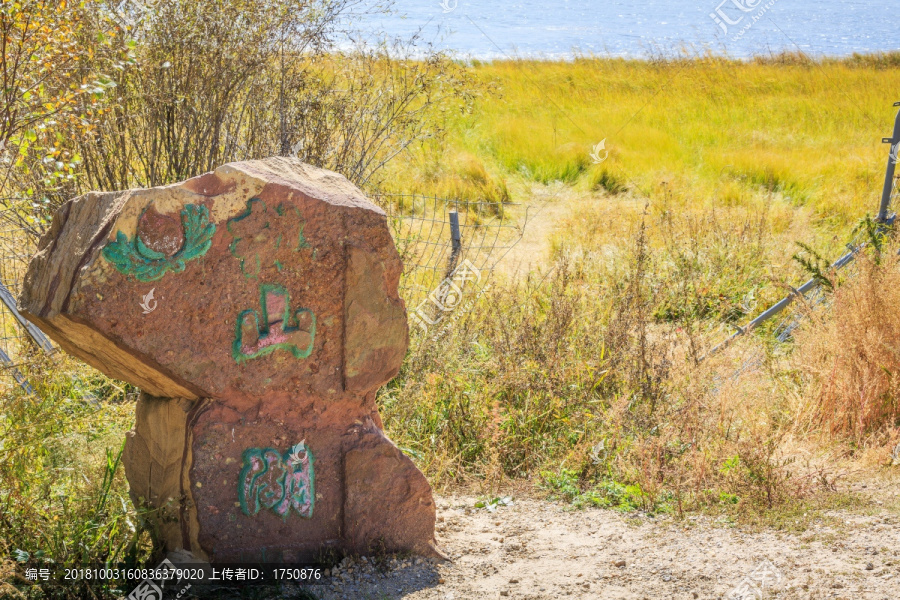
point(848, 357)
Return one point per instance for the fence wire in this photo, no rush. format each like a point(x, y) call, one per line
point(812, 301)
point(16, 248)
point(423, 231)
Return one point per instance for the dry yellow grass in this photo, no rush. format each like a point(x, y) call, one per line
point(849, 358)
point(710, 132)
point(716, 169)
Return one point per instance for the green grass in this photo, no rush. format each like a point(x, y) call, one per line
point(716, 130)
point(716, 170)
point(565, 485)
point(63, 495)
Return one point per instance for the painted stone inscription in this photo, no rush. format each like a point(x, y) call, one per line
point(278, 481)
point(260, 238)
point(279, 318)
point(276, 327)
point(161, 244)
point(259, 231)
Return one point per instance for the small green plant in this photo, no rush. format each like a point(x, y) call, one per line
point(624, 497)
point(815, 265)
point(492, 504)
point(607, 493)
point(875, 235)
point(564, 484)
point(606, 180)
point(726, 498)
point(730, 464)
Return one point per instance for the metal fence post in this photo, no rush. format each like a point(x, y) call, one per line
point(16, 373)
point(36, 334)
point(456, 240)
point(894, 141)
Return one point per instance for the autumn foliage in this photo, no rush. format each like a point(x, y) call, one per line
point(55, 60)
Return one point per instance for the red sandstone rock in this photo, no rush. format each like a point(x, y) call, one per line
point(257, 309)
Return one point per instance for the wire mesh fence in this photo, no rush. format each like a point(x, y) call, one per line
point(816, 298)
point(17, 336)
point(449, 249)
point(16, 248)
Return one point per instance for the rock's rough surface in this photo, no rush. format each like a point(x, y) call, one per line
point(257, 309)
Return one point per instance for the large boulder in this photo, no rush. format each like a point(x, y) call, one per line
point(256, 307)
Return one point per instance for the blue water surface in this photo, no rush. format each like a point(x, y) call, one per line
point(639, 29)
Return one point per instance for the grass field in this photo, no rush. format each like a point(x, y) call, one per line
point(582, 377)
point(714, 132)
point(716, 171)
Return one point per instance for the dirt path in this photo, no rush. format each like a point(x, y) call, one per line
point(535, 550)
point(548, 207)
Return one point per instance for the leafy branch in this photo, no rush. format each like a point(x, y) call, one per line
point(815, 265)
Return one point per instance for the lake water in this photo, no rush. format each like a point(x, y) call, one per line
point(739, 28)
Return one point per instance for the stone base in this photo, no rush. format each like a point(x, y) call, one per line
point(226, 490)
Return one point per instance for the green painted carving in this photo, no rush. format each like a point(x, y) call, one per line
point(134, 258)
point(259, 232)
point(278, 481)
point(277, 328)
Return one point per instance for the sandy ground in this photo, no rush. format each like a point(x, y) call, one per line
point(536, 549)
point(548, 206)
